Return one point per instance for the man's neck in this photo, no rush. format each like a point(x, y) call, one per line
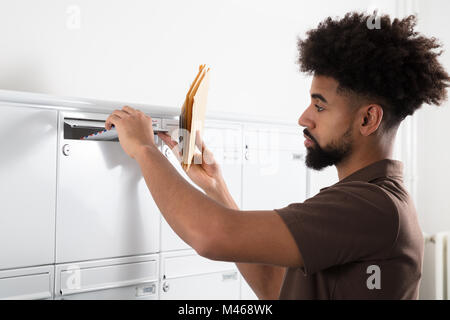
point(366, 153)
point(360, 160)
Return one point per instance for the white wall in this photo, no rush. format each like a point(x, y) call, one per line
point(433, 154)
point(148, 51)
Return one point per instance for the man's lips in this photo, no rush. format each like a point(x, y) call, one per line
point(308, 141)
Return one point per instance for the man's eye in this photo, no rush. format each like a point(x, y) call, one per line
point(319, 108)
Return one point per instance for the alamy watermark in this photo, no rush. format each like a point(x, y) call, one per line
point(374, 21)
point(262, 148)
point(73, 19)
point(73, 281)
point(374, 280)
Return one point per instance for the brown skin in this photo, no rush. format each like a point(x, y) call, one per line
point(369, 143)
point(212, 224)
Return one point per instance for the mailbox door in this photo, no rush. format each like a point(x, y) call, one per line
point(104, 207)
point(186, 275)
point(274, 171)
point(27, 186)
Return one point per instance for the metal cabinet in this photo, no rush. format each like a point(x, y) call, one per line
point(186, 275)
point(104, 207)
point(225, 141)
point(274, 171)
point(435, 273)
point(321, 179)
point(108, 228)
point(27, 186)
point(134, 278)
point(27, 283)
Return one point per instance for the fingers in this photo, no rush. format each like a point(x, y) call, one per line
point(173, 145)
point(129, 110)
point(198, 158)
point(199, 142)
point(167, 139)
point(113, 119)
point(207, 155)
point(119, 114)
point(176, 151)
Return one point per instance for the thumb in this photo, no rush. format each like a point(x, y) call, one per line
point(208, 156)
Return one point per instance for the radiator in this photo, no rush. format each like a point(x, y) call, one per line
point(434, 284)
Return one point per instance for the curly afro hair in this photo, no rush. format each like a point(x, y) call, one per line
point(393, 66)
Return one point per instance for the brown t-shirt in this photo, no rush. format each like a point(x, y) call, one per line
point(359, 239)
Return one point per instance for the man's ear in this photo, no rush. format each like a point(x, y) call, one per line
point(371, 117)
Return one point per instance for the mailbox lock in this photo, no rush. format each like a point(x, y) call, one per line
point(66, 150)
point(246, 153)
point(166, 152)
point(165, 287)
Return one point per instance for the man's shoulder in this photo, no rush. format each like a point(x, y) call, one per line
point(360, 195)
point(362, 190)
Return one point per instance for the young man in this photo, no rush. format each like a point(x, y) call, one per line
point(358, 238)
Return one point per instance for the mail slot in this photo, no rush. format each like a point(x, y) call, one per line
point(78, 129)
point(94, 128)
point(27, 283)
point(133, 278)
point(104, 208)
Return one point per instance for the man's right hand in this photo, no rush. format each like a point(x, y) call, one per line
point(205, 171)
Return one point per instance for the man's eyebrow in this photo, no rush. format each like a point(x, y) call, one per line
point(318, 96)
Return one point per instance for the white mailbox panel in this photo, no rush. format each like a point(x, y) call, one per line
point(104, 207)
point(274, 172)
point(321, 179)
point(27, 186)
point(211, 286)
point(186, 275)
point(132, 278)
point(27, 284)
point(225, 141)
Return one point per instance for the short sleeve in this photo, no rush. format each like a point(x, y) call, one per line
point(341, 224)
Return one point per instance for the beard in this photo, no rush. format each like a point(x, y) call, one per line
point(318, 158)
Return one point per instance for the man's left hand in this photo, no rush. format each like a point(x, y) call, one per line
point(134, 129)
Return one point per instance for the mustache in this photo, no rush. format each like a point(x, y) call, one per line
point(306, 132)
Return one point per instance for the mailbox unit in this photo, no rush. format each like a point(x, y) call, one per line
point(104, 209)
point(79, 221)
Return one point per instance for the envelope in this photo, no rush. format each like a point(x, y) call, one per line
point(192, 117)
point(186, 104)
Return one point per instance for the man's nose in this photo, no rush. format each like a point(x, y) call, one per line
point(306, 120)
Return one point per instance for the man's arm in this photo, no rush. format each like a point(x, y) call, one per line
point(265, 280)
point(213, 230)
